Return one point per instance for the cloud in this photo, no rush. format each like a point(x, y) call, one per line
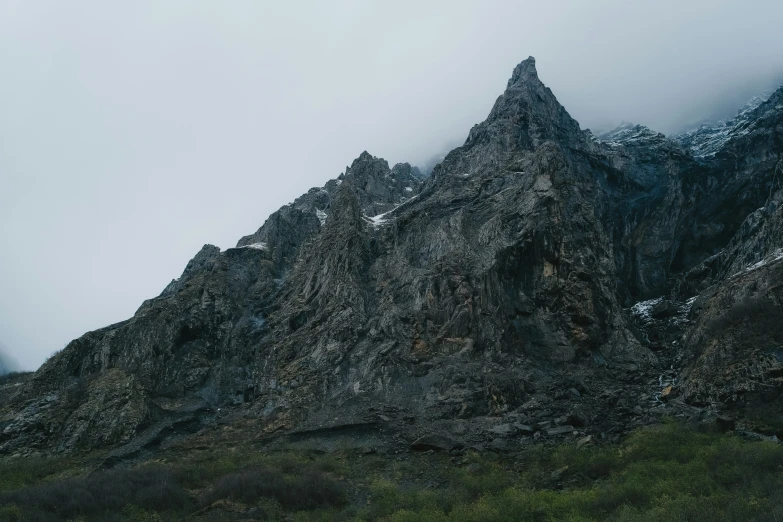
point(7, 363)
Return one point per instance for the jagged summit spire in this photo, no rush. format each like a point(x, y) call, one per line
point(367, 166)
point(526, 115)
point(526, 70)
point(364, 156)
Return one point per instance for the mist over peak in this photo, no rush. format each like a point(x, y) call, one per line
point(8, 364)
point(125, 154)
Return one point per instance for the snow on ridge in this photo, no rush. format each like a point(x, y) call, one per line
point(644, 308)
point(626, 134)
point(677, 314)
point(256, 246)
point(381, 219)
point(775, 256)
point(684, 310)
point(706, 140)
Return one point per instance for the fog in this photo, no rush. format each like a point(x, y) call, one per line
point(131, 133)
point(8, 363)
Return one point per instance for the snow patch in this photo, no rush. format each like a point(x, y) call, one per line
point(627, 134)
point(708, 139)
point(681, 317)
point(380, 219)
point(408, 189)
point(644, 308)
point(321, 216)
point(256, 246)
point(775, 256)
point(676, 315)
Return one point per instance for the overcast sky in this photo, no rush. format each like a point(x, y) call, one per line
point(131, 133)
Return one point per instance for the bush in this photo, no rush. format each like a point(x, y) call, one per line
point(311, 489)
point(16, 473)
point(10, 514)
point(102, 493)
point(667, 472)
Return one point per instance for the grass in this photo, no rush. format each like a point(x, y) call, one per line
point(666, 472)
point(18, 473)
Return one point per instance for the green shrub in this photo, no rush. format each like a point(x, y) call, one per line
point(102, 493)
point(666, 472)
point(311, 489)
point(10, 514)
point(17, 473)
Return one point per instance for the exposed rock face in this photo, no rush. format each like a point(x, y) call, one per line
point(378, 190)
point(736, 344)
point(709, 139)
point(737, 340)
point(493, 289)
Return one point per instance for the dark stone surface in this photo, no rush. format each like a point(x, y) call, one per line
point(490, 295)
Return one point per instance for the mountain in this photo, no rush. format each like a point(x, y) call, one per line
point(542, 281)
point(706, 140)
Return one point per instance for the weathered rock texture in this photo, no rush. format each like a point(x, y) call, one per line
point(496, 288)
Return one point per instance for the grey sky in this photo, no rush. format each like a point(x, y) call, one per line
point(131, 133)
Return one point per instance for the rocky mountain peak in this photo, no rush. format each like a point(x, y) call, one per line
point(532, 111)
point(525, 71)
point(629, 133)
point(408, 170)
point(523, 118)
point(494, 291)
point(708, 139)
point(366, 168)
point(378, 187)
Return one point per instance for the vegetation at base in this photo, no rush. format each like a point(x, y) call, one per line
point(151, 488)
point(666, 472)
point(309, 490)
point(19, 473)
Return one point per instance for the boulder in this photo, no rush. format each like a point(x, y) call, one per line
point(436, 442)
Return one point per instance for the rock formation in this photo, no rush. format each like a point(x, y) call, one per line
point(504, 294)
